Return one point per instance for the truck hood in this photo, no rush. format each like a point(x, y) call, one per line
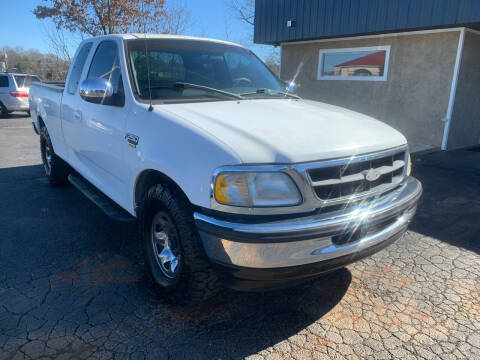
point(287, 130)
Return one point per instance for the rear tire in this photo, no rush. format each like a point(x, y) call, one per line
point(182, 271)
point(56, 169)
point(3, 111)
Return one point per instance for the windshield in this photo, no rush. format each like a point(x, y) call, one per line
point(229, 68)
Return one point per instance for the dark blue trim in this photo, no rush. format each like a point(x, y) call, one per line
point(317, 19)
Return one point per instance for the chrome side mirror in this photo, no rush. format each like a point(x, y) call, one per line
point(95, 89)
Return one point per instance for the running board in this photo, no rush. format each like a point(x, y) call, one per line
point(101, 200)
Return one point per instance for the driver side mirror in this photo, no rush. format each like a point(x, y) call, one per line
point(95, 90)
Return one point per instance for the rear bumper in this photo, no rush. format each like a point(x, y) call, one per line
point(278, 252)
point(16, 104)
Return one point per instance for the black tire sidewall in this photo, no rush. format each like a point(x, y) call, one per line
point(198, 281)
point(44, 141)
point(155, 205)
point(59, 169)
point(3, 111)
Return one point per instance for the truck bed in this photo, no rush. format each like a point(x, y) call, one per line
point(45, 100)
point(58, 86)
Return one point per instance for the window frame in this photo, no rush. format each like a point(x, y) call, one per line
point(323, 52)
point(80, 78)
point(119, 52)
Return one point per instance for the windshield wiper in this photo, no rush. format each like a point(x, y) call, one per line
point(206, 88)
point(184, 85)
point(271, 92)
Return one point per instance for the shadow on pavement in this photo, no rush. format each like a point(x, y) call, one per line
point(16, 115)
point(21, 173)
point(241, 324)
point(450, 206)
point(68, 271)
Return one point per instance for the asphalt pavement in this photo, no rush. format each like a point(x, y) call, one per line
point(73, 284)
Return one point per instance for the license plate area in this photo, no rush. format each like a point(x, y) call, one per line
point(356, 232)
point(350, 236)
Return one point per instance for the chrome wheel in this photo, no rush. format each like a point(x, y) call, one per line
point(165, 245)
point(48, 157)
point(47, 154)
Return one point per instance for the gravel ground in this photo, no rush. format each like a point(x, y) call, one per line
point(73, 286)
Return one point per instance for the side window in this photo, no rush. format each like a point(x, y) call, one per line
point(77, 68)
point(3, 81)
point(365, 64)
point(106, 64)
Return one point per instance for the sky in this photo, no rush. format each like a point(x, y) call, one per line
point(211, 18)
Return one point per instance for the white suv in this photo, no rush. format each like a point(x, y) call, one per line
point(14, 92)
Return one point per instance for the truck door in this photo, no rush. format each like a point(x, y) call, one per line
point(70, 114)
point(102, 134)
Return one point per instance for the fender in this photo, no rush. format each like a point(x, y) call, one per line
point(178, 149)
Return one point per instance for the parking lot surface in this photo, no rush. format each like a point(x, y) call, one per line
point(73, 285)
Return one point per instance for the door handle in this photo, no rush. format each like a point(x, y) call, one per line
point(132, 140)
point(77, 115)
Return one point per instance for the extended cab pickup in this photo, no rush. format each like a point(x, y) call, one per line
point(228, 173)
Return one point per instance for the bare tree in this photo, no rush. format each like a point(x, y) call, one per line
point(226, 27)
point(244, 10)
point(58, 43)
point(102, 17)
point(176, 19)
point(75, 19)
point(273, 62)
point(47, 66)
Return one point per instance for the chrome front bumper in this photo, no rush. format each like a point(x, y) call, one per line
point(311, 240)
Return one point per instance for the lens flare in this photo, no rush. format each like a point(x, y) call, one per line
point(291, 85)
point(299, 70)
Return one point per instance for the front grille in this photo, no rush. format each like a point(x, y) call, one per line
point(349, 178)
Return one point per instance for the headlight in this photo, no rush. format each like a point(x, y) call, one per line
point(409, 165)
point(256, 189)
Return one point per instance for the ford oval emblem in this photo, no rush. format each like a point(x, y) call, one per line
point(373, 175)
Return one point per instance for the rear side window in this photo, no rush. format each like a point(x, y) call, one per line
point(20, 80)
point(25, 81)
point(106, 65)
point(3, 81)
point(77, 68)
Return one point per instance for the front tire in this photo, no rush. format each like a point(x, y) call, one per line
point(56, 169)
point(173, 249)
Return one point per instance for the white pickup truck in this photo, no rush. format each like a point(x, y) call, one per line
point(229, 175)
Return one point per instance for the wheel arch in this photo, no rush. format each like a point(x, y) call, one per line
point(40, 121)
point(150, 177)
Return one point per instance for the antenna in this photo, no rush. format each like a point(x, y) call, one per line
point(150, 107)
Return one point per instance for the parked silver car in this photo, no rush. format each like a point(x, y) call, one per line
point(14, 92)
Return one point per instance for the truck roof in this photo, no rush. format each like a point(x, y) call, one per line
point(168, 36)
